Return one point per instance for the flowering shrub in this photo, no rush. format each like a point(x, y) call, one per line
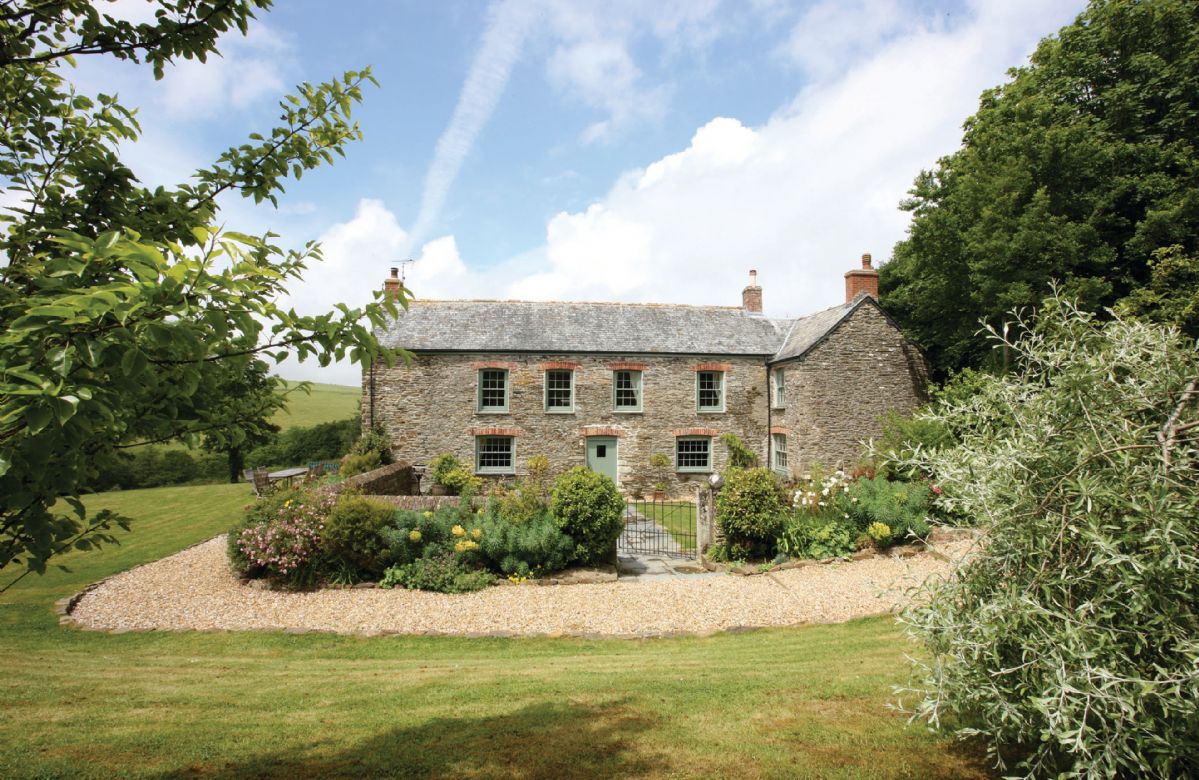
point(281, 538)
point(819, 493)
point(879, 533)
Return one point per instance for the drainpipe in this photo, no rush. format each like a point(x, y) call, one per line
point(769, 418)
point(372, 391)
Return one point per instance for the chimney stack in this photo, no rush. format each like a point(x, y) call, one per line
point(861, 281)
point(751, 296)
point(392, 284)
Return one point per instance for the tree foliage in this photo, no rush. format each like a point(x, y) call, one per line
point(1077, 170)
point(124, 314)
point(1071, 638)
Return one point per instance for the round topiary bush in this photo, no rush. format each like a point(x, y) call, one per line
point(589, 508)
point(352, 538)
point(749, 509)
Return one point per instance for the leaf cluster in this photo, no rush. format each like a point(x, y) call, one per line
point(1073, 634)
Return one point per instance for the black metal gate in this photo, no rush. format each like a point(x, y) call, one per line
point(664, 528)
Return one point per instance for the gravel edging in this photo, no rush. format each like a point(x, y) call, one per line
point(196, 590)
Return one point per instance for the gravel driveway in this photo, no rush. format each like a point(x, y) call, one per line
point(195, 589)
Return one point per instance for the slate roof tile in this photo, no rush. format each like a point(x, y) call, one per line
point(620, 328)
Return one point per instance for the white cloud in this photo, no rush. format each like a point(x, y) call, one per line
point(830, 36)
point(591, 61)
point(249, 68)
point(800, 197)
point(357, 254)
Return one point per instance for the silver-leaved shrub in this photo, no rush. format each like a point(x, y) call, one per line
point(1070, 641)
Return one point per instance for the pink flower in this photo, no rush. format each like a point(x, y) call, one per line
point(937, 489)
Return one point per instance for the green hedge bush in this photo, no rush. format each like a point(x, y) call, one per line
point(589, 509)
point(749, 511)
point(352, 541)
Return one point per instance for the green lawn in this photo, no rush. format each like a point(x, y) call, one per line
point(678, 518)
point(806, 702)
point(326, 403)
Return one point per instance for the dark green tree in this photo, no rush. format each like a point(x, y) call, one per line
point(247, 396)
point(123, 309)
point(1076, 171)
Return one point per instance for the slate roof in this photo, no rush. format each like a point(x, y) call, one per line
point(621, 328)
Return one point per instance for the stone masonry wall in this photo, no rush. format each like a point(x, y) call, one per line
point(430, 407)
point(837, 393)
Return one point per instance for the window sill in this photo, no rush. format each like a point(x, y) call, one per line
point(495, 473)
point(628, 411)
point(493, 411)
point(693, 471)
point(710, 411)
point(559, 411)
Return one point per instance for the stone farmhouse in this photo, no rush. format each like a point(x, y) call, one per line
point(608, 385)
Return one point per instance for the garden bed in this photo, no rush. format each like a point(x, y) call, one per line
point(197, 590)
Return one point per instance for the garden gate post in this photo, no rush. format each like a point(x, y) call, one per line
point(705, 511)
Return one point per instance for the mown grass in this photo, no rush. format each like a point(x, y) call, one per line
point(326, 403)
point(806, 702)
point(677, 517)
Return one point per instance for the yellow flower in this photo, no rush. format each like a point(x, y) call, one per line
point(414, 535)
point(479, 511)
point(428, 514)
point(477, 533)
point(460, 547)
point(458, 531)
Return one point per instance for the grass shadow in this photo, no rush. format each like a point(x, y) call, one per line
point(538, 742)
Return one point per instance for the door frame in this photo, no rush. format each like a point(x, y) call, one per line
point(614, 442)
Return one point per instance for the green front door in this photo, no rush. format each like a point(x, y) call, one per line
point(601, 455)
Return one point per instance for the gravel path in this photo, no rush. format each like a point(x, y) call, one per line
point(195, 589)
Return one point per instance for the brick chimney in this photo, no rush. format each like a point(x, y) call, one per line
point(861, 281)
point(751, 296)
point(392, 284)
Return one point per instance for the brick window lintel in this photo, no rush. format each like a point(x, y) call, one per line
point(780, 429)
point(627, 366)
point(495, 431)
point(695, 432)
point(600, 430)
point(713, 367)
point(559, 365)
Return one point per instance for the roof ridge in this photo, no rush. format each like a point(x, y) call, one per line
point(579, 303)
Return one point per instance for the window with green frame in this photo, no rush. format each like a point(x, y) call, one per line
point(493, 390)
point(709, 391)
point(559, 390)
point(495, 455)
point(693, 453)
point(626, 390)
point(778, 443)
point(780, 388)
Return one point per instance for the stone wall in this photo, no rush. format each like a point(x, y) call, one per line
point(837, 393)
point(395, 479)
point(430, 407)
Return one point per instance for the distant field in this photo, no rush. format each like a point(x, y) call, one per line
point(327, 403)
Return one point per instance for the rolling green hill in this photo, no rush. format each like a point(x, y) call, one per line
point(326, 403)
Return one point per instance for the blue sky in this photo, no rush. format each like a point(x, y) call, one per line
point(588, 150)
